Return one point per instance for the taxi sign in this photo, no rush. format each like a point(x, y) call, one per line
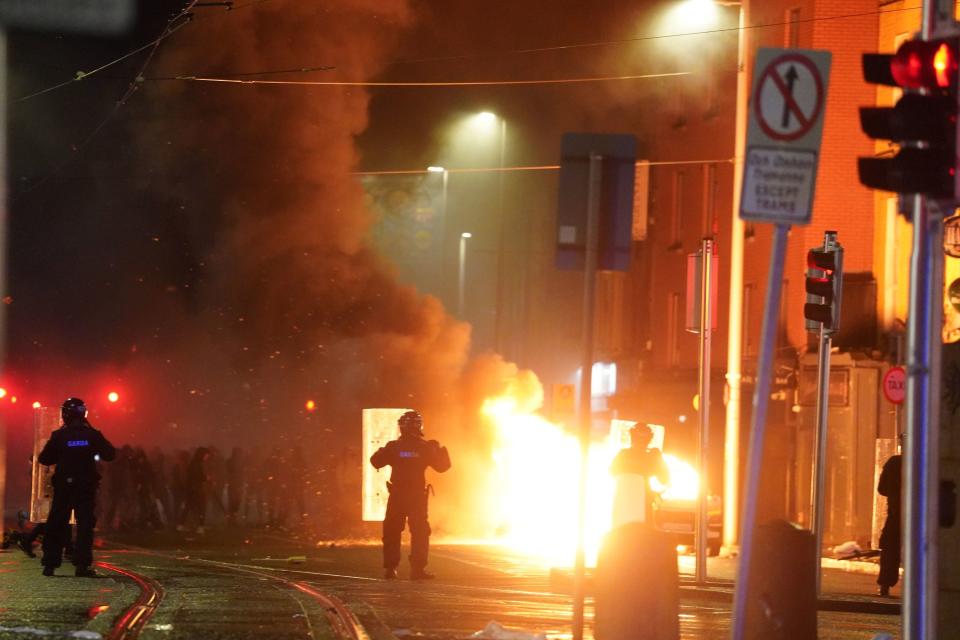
point(783, 135)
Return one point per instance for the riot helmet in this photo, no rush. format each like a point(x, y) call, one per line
point(411, 424)
point(73, 409)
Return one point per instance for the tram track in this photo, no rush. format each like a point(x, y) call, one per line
point(132, 621)
point(342, 622)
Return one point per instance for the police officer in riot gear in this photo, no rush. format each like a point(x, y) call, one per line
point(74, 448)
point(408, 456)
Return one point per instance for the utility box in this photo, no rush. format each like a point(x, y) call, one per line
point(858, 415)
point(782, 594)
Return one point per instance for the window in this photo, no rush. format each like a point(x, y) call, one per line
point(782, 332)
point(791, 35)
point(673, 329)
point(677, 221)
point(749, 347)
point(709, 199)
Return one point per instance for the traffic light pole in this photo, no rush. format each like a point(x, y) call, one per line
point(820, 447)
point(921, 469)
point(818, 484)
point(758, 427)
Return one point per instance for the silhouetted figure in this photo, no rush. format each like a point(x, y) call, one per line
point(74, 448)
point(408, 456)
point(144, 482)
point(889, 485)
point(198, 485)
point(636, 581)
point(296, 482)
point(27, 540)
point(235, 483)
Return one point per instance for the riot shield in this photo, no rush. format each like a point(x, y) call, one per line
point(379, 427)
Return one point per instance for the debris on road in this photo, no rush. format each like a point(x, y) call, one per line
point(496, 631)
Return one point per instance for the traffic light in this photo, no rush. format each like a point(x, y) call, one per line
point(824, 288)
point(923, 122)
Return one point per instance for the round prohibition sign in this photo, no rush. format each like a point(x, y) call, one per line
point(785, 106)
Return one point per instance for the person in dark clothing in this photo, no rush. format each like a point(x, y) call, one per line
point(632, 469)
point(408, 457)
point(75, 449)
point(636, 587)
point(198, 487)
point(40, 529)
point(889, 485)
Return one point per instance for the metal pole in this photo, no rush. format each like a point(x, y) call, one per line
point(758, 426)
point(817, 490)
point(921, 454)
point(3, 239)
point(731, 440)
point(818, 481)
point(921, 457)
point(501, 239)
point(706, 331)
point(586, 382)
point(462, 273)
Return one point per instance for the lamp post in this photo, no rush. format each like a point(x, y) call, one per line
point(731, 447)
point(443, 196)
point(734, 378)
point(488, 116)
point(462, 273)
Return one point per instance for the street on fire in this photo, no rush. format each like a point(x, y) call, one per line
point(479, 320)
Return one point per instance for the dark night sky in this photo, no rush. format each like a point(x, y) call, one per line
point(206, 249)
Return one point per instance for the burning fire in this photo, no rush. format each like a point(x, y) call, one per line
point(536, 486)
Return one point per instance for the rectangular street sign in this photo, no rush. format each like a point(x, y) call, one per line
point(99, 17)
point(783, 135)
point(619, 154)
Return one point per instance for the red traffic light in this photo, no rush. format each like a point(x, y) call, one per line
point(919, 64)
point(822, 260)
point(113, 396)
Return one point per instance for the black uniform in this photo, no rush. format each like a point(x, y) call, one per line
point(408, 456)
point(889, 486)
point(72, 448)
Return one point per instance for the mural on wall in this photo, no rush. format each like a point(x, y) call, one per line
point(408, 212)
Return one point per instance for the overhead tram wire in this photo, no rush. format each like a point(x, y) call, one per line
point(481, 83)
point(83, 75)
point(561, 47)
point(622, 41)
point(170, 28)
point(541, 167)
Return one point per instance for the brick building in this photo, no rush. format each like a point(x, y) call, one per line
point(692, 198)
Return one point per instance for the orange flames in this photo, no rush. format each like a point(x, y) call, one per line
point(535, 488)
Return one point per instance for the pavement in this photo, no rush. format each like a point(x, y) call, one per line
point(250, 592)
point(59, 606)
point(846, 585)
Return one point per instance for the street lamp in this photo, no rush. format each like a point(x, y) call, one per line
point(462, 273)
point(488, 119)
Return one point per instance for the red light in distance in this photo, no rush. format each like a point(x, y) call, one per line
point(310, 405)
point(36, 404)
point(113, 396)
